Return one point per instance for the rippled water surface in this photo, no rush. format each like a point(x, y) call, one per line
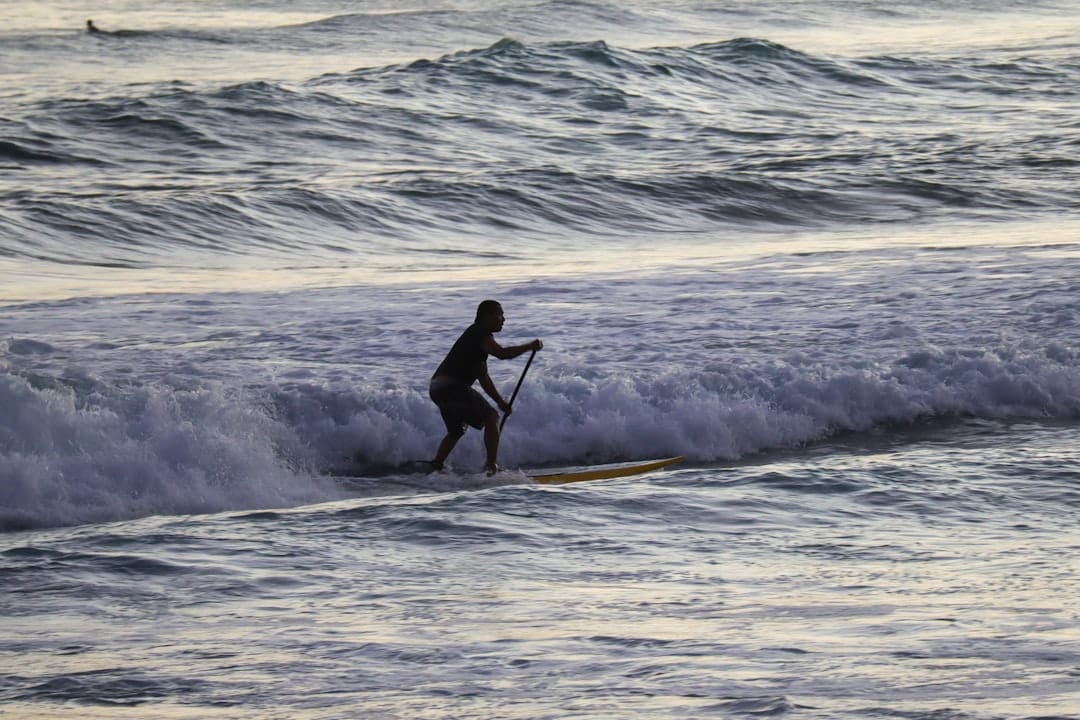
point(889, 578)
point(825, 250)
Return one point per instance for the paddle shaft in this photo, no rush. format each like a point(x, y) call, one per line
point(516, 388)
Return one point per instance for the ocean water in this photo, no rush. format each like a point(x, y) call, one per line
point(827, 250)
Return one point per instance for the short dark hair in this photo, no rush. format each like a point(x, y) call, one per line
point(486, 308)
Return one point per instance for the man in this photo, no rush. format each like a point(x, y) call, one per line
point(451, 385)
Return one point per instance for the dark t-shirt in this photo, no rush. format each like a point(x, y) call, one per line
point(467, 357)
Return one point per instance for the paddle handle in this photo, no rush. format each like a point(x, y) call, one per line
point(517, 387)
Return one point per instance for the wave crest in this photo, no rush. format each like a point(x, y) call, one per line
point(76, 450)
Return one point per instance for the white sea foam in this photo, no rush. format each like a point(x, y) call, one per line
point(101, 452)
point(113, 452)
point(137, 405)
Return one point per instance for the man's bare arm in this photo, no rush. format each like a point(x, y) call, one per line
point(511, 351)
point(492, 391)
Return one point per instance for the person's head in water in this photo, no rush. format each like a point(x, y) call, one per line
point(91, 27)
point(489, 315)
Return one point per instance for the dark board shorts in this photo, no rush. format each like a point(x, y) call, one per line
point(459, 404)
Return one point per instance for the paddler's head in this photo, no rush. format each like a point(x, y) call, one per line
point(489, 315)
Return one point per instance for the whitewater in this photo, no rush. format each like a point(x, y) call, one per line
point(825, 250)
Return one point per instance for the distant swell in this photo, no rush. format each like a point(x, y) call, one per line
point(564, 141)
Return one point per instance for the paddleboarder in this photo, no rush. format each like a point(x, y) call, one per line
point(452, 391)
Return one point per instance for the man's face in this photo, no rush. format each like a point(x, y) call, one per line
point(496, 319)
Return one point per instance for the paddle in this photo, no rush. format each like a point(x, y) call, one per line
point(516, 388)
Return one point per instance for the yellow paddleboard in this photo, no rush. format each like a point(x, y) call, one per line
point(602, 472)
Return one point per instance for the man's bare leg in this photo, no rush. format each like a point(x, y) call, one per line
point(445, 446)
